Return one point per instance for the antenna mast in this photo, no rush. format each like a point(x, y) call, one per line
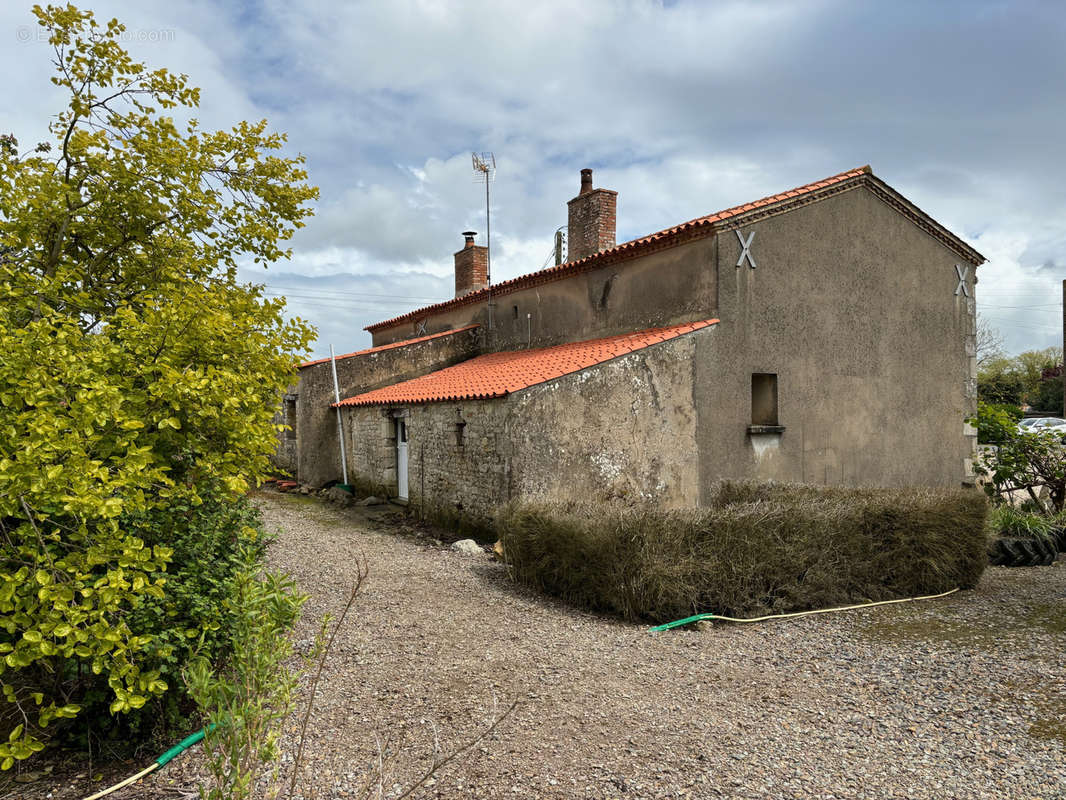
point(485, 166)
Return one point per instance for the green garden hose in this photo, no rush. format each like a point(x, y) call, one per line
point(698, 617)
point(170, 754)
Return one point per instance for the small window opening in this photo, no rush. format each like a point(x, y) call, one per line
point(514, 310)
point(460, 429)
point(290, 417)
point(764, 398)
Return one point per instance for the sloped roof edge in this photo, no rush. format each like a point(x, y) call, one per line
point(897, 201)
point(391, 346)
point(706, 226)
point(496, 375)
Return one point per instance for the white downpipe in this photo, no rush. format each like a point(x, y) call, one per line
point(340, 425)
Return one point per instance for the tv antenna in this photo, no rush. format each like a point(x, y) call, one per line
point(485, 167)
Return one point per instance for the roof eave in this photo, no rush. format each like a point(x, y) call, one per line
point(894, 199)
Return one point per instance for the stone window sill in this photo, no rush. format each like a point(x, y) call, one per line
point(755, 429)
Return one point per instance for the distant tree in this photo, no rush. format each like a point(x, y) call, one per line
point(1016, 379)
point(999, 382)
point(137, 372)
point(989, 343)
point(1031, 366)
point(1049, 392)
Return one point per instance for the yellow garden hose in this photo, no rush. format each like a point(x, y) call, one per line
point(177, 749)
point(127, 782)
point(698, 617)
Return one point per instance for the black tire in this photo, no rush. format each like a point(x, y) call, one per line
point(997, 556)
point(1035, 551)
point(1058, 536)
point(1020, 554)
point(1048, 551)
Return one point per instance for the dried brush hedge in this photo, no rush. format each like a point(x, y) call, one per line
point(755, 548)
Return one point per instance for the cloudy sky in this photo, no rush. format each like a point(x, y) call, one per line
point(684, 108)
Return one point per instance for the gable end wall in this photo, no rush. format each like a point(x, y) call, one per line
point(853, 307)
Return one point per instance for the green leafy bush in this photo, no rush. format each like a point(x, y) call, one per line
point(754, 549)
point(996, 422)
point(211, 542)
point(1032, 462)
point(138, 374)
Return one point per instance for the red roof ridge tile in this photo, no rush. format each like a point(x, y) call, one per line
point(499, 374)
point(391, 346)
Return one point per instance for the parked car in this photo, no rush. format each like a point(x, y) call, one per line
point(1054, 425)
point(1035, 424)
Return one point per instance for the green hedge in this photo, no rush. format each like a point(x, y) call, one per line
point(755, 548)
point(211, 542)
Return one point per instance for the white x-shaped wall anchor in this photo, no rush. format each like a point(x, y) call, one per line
point(745, 252)
point(963, 273)
point(421, 328)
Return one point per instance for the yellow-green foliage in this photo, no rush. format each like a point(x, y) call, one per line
point(136, 369)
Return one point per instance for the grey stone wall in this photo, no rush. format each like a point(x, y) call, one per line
point(371, 449)
point(286, 455)
point(458, 455)
point(622, 429)
point(316, 425)
point(625, 429)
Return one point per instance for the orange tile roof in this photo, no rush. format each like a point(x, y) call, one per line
point(404, 343)
point(626, 248)
point(500, 374)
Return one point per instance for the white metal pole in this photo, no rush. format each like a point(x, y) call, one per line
point(340, 425)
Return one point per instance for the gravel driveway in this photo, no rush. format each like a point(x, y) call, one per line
point(963, 697)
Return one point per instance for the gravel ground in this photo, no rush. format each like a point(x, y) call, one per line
point(963, 697)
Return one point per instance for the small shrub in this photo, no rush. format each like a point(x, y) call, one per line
point(755, 548)
point(996, 422)
point(251, 692)
point(1009, 521)
point(210, 543)
point(1033, 463)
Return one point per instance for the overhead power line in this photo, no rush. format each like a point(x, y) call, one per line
point(273, 286)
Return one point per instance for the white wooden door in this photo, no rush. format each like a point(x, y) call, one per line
point(401, 459)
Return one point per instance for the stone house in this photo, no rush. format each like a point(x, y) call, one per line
point(822, 335)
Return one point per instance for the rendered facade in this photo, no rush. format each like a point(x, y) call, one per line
point(822, 335)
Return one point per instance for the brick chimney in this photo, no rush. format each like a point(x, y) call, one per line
point(471, 266)
point(591, 220)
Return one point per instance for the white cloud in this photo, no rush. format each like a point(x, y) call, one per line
point(684, 108)
point(1022, 303)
